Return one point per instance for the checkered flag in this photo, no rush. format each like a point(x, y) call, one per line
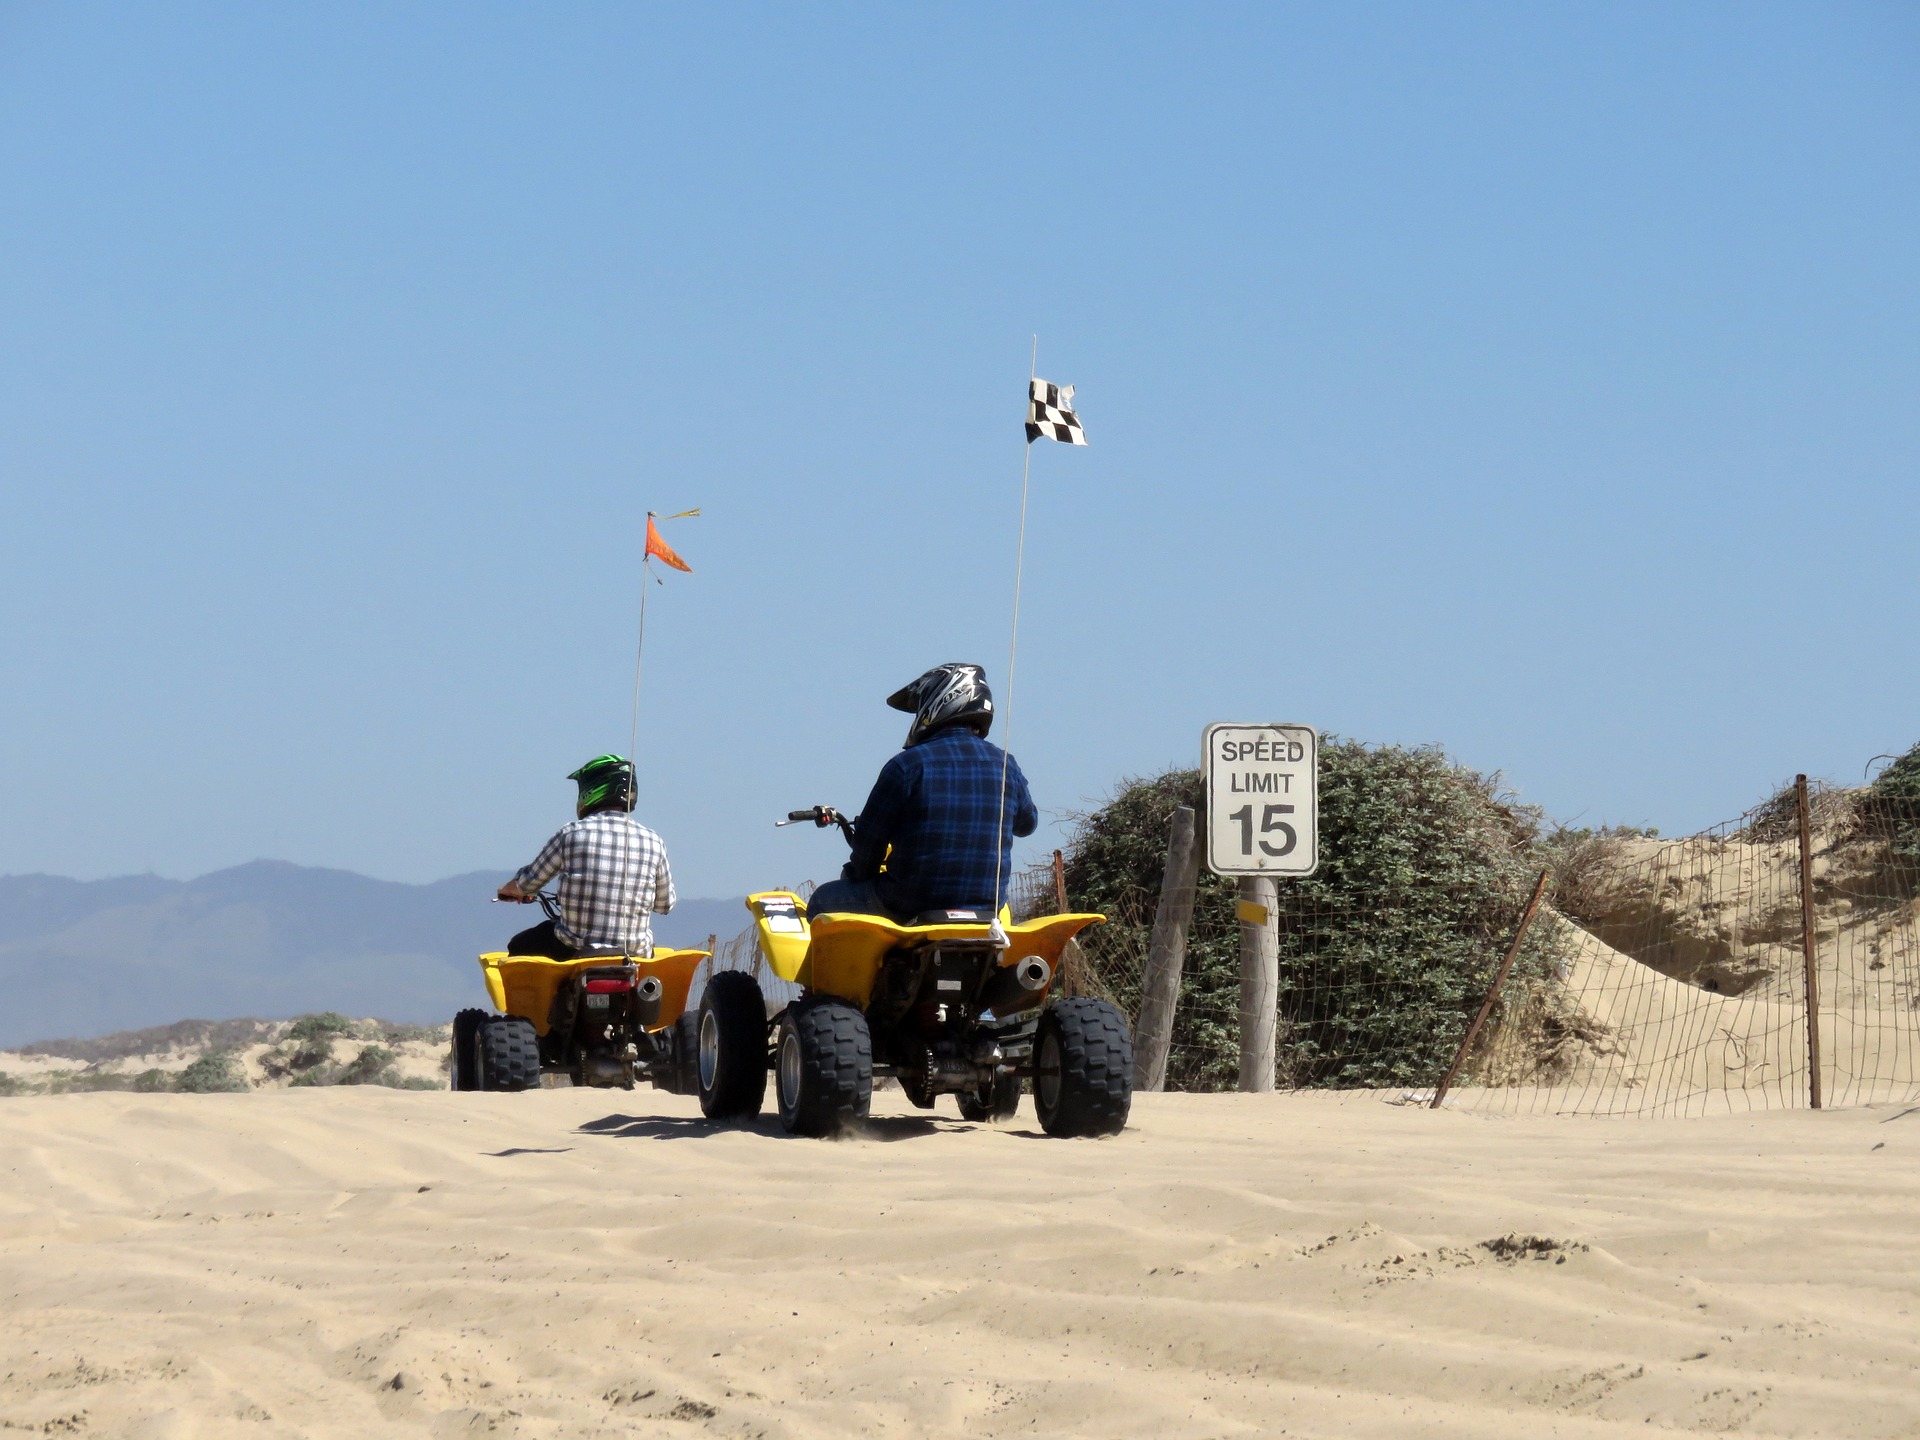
point(1050, 413)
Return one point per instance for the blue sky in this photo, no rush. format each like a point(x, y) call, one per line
point(1535, 380)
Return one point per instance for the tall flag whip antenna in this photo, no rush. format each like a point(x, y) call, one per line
point(1050, 414)
point(655, 549)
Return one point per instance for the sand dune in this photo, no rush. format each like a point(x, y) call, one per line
point(362, 1261)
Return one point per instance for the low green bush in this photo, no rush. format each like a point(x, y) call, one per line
point(321, 1027)
point(366, 1067)
point(212, 1074)
point(1893, 806)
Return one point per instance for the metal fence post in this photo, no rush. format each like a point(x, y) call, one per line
point(1166, 955)
point(1493, 990)
point(1806, 938)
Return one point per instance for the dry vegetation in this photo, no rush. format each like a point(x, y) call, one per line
point(202, 1056)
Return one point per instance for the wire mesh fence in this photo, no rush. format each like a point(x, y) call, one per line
point(741, 951)
point(1685, 990)
point(1668, 977)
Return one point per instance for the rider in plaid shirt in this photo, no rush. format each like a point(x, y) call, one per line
point(613, 873)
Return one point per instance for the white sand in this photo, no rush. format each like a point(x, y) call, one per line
point(360, 1261)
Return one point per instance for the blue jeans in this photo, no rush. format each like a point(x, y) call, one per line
point(851, 897)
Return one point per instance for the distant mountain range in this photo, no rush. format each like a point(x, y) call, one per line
point(88, 957)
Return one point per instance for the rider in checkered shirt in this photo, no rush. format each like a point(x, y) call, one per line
point(613, 873)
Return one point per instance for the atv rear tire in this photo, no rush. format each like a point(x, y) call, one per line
point(994, 1105)
point(464, 1070)
point(732, 1068)
point(1083, 1069)
point(823, 1067)
point(508, 1053)
point(686, 1054)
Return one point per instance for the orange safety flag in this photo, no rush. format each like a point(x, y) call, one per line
point(658, 549)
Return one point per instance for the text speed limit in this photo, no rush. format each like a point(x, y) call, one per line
point(1263, 807)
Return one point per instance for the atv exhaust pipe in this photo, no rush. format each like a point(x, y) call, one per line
point(646, 1001)
point(1017, 986)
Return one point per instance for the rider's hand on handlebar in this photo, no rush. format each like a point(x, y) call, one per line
point(513, 893)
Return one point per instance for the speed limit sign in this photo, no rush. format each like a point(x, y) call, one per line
point(1263, 804)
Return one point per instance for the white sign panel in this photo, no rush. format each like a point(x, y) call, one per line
point(1263, 805)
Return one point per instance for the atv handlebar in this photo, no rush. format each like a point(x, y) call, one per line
point(548, 902)
point(822, 816)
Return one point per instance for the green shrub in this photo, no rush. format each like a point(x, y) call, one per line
point(212, 1074)
point(316, 1051)
point(1384, 953)
point(387, 1033)
point(14, 1085)
point(366, 1067)
point(1893, 806)
point(321, 1027)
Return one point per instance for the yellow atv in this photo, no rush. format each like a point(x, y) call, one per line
point(604, 1019)
point(937, 1004)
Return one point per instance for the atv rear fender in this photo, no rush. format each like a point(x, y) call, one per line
point(841, 954)
point(524, 984)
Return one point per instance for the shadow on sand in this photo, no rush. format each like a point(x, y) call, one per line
point(883, 1128)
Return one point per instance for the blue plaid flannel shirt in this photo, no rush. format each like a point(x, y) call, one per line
point(937, 804)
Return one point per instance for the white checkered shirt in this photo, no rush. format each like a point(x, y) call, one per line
point(613, 876)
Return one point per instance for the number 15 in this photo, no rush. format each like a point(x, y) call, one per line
point(1270, 821)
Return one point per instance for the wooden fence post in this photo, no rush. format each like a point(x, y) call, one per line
point(1493, 990)
point(1074, 968)
point(1258, 909)
point(1166, 955)
point(1806, 938)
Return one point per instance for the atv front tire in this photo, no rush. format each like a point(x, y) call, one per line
point(508, 1053)
point(732, 1068)
point(992, 1105)
point(1083, 1068)
point(464, 1068)
point(823, 1067)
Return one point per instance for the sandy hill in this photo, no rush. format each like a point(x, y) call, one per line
point(1685, 976)
point(233, 1055)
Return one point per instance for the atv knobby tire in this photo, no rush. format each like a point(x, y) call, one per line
point(685, 1042)
point(464, 1071)
point(732, 1066)
point(823, 1067)
point(507, 1053)
point(992, 1106)
point(1083, 1069)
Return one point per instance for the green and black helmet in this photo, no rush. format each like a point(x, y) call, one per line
point(606, 781)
